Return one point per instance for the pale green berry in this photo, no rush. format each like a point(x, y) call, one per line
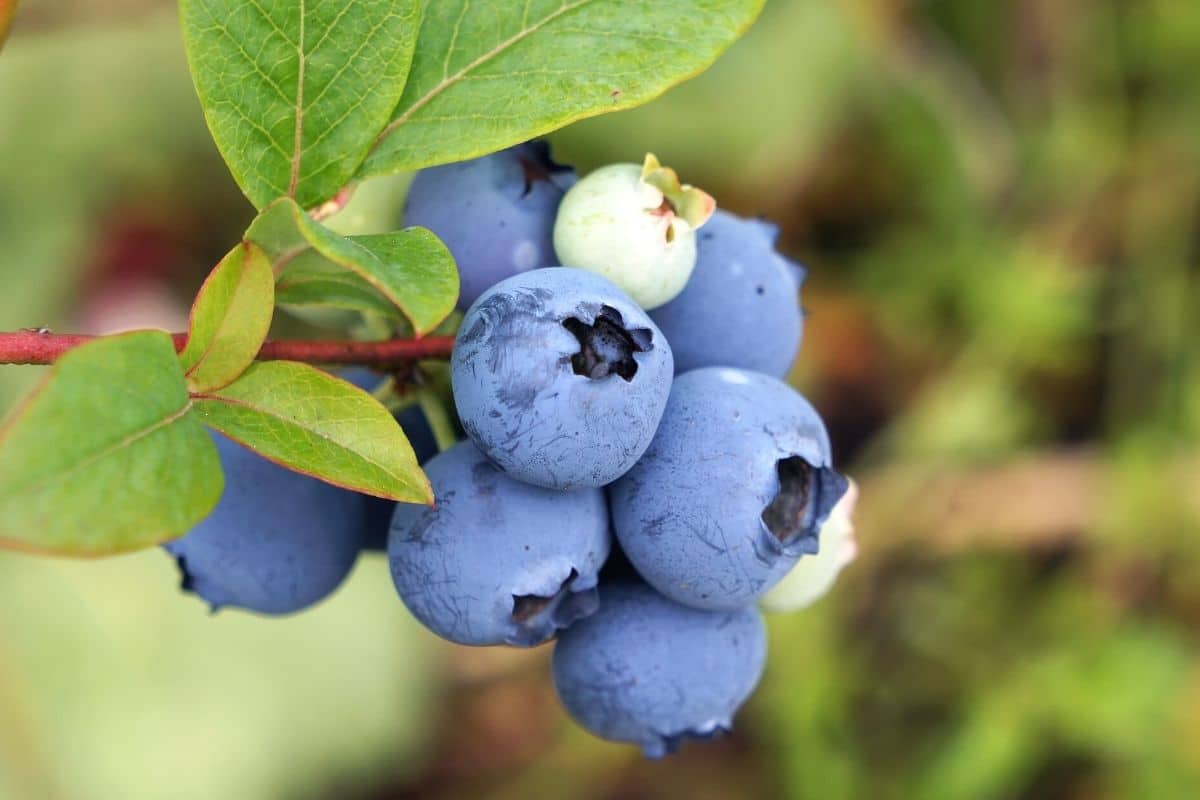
point(636, 226)
point(813, 576)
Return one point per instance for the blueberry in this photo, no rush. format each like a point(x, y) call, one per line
point(560, 378)
point(635, 225)
point(495, 213)
point(651, 672)
point(278, 541)
point(497, 561)
point(813, 576)
point(732, 491)
point(741, 306)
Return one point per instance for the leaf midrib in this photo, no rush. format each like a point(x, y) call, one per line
point(293, 423)
point(451, 80)
point(298, 138)
point(219, 328)
point(126, 441)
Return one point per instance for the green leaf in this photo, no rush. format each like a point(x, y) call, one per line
point(107, 454)
point(295, 92)
point(423, 271)
point(411, 268)
point(489, 74)
point(311, 280)
point(309, 421)
point(230, 318)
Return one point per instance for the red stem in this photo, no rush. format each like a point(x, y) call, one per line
point(37, 347)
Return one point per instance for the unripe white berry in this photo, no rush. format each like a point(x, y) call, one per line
point(636, 226)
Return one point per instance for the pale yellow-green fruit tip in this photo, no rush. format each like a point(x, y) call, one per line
point(813, 576)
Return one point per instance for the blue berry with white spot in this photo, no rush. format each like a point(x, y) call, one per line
point(651, 672)
point(732, 491)
point(741, 305)
point(497, 561)
point(560, 378)
point(495, 213)
point(277, 542)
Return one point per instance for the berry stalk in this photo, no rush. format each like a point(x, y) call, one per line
point(44, 347)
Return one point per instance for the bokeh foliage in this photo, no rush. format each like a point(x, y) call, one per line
point(998, 207)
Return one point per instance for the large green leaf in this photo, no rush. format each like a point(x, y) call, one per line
point(312, 422)
point(230, 318)
point(490, 73)
point(107, 454)
point(411, 268)
point(294, 92)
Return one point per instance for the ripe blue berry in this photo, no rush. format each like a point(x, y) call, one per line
point(277, 541)
point(732, 491)
point(497, 561)
point(741, 306)
point(560, 378)
point(495, 213)
point(651, 672)
point(813, 576)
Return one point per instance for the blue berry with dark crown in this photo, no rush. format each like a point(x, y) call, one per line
point(732, 491)
point(560, 378)
point(497, 561)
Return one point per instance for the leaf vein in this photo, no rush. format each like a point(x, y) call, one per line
point(243, 276)
point(516, 38)
point(341, 448)
point(332, 126)
point(228, 34)
point(126, 441)
point(298, 129)
point(454, 39)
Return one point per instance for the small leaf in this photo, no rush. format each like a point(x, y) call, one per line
point(309, 421)
point(411, 268)
point(8, 9)
point(490, 73)
point(107, 454)
point(230, 318)
point(311, 280)
point(294, 93)
point(423, 271)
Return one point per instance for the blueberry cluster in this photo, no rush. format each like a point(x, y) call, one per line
point(635, 480)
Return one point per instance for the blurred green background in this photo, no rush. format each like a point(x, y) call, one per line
point(999, 206)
